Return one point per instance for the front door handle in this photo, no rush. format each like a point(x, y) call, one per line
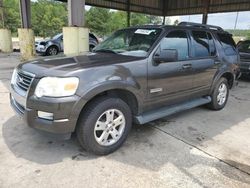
point(187, 66)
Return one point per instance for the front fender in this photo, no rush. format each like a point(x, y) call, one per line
point(110, 85)
point(131, 87)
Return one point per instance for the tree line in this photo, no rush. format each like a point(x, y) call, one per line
point(49, 16)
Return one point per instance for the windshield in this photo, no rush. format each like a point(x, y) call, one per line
point(131, 42)
point(57, 36)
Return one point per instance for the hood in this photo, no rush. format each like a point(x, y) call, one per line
point(43, 40)
point(64, 66)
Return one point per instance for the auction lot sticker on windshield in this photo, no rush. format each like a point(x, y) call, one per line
point(144, 31)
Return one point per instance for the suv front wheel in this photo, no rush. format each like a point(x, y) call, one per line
point(104, 125)
point(219, 95)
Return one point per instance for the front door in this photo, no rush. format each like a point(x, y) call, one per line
point(170, 82)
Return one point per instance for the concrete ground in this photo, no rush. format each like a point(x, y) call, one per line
point(196, 148)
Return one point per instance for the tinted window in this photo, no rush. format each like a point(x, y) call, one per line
point(176, 40)
point(211, 45)
point(244, 47)
point(201, 44)
point(227, 43)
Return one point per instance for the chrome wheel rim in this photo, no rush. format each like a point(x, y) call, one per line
point(109, 127)
point(222, 95)
point(52, 51)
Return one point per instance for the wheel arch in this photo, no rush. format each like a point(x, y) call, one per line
point(125, 94)
point(230, 78)
point(227, 75)
point(53, 45)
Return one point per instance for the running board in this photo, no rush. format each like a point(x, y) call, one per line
point(169, 110)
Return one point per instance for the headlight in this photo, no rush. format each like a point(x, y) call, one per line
point(56, 87)
point(13, 78)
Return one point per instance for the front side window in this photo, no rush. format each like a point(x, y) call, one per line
point(200, 44)
point(176, 40)
point(131, 42)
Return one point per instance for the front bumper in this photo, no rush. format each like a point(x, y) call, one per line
point(64, 121)
point(41, 49)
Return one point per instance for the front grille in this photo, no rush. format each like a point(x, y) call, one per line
point(23, 80)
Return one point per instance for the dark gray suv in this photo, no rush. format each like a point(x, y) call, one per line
point(55, 45)
point(137, 75)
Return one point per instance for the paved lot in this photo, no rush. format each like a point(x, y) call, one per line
point(197, 148)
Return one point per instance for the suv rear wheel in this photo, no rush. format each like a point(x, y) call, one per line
point(52, 50)
point(220, 95)
point(104, 125)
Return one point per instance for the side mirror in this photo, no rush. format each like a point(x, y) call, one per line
point(167, 55)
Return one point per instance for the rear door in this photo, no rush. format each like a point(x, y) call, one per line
point(204, 61)
point(171, 82)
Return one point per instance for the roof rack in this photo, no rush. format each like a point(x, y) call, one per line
point(200, 25)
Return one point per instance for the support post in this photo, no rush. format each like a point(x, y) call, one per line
point(204, 18)
point(76, 12)
point(5, 34)
point(164, 11)
point(164, 20)
point(205, 12)
point(5, 41)
point(76, 36)
point(128, 13)
point(26, 34)
point(25, 13)
point(26, 43)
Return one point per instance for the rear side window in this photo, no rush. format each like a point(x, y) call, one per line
point(200, 44)
point(227, 43)
point(176, 40)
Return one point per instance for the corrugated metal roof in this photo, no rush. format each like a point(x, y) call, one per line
point(173, 7)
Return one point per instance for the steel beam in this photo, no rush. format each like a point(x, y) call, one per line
point(128, 13)
point(25, 12)
point(205, 12)
point(76, 10)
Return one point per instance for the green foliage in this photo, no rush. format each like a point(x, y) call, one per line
point(11, 15)
point(103, 21)
point(98, 19)
point(242, 33)
point(176, 22)
point(48, 17)
point(248, 35)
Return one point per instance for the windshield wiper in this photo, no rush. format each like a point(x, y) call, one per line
point(105, 51)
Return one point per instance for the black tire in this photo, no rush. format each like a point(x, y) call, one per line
point(214, 105)
point(87, 122)
point(52, 50)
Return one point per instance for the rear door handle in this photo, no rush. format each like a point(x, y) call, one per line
point(187, 66)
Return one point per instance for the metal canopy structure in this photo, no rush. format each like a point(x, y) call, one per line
point(172, 7)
